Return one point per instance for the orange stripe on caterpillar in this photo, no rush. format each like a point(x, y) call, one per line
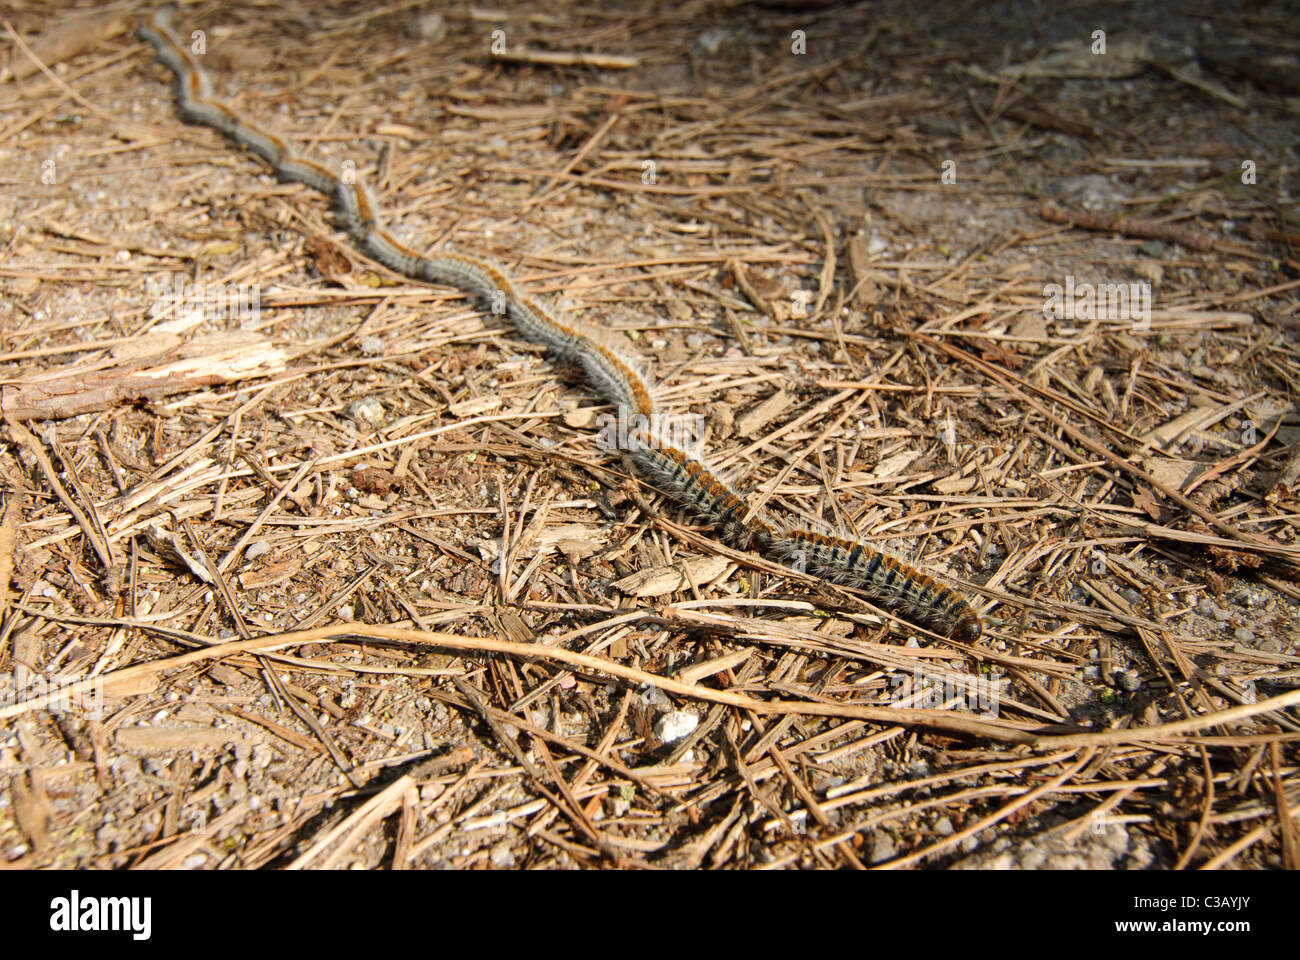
point(694, 485)
point(882, 576)
point(297, 170)
point(614, 378)
point(397, 257)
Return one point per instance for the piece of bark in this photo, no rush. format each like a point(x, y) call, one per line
point(65, 40)
point(659, 581)
point(1188, 237)
point(861, 272)
point(150, 374)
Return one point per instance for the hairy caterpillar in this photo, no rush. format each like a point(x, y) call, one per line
point(882, 576)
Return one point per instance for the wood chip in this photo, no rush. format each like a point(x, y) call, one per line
point(658, 581)
point(176, 739)
point(751, 424)
point(861, 273)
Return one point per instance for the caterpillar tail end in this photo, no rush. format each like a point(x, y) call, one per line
point(968, 629)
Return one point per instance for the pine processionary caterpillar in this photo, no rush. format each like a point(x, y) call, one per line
point(883, 577)
point(695, 485)
point(297, 170)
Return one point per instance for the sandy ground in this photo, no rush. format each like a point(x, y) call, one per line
point(822, 233)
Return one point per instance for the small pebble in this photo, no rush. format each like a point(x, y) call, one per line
point(368, 410)
point(675, 725)
point(883, 848)
point(502, 856)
